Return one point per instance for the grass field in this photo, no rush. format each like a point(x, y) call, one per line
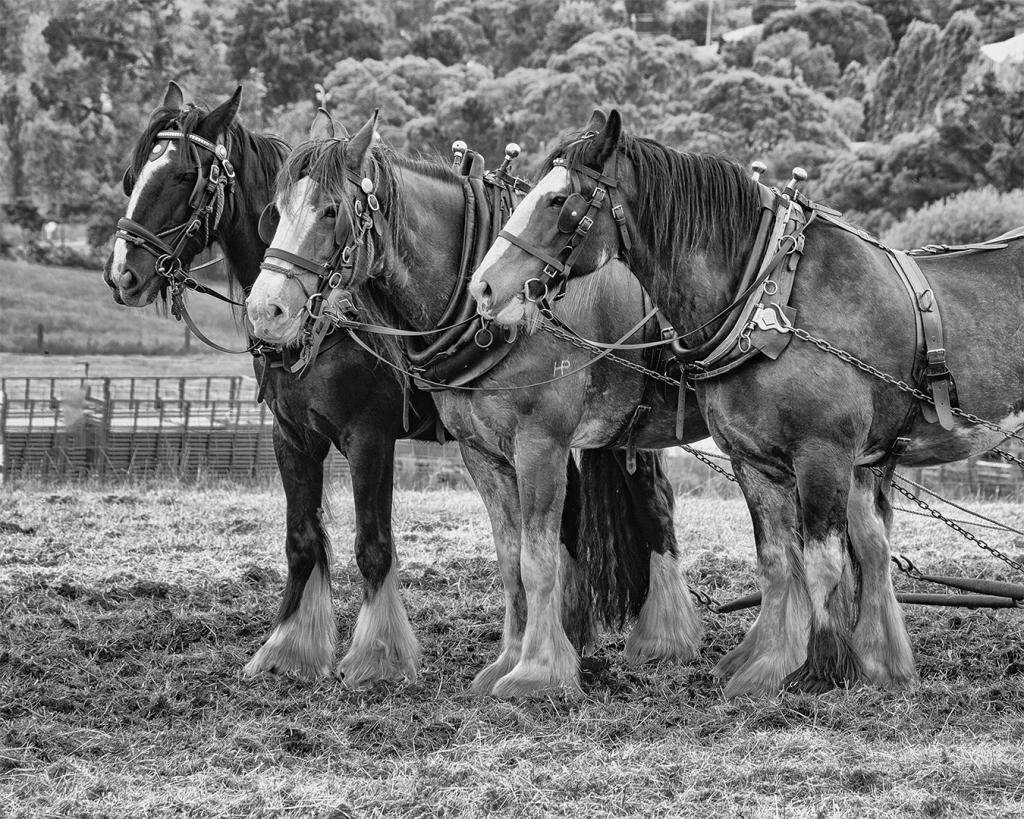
point(79, 316)
point(128, 613)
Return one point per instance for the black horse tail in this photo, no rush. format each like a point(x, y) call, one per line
point(623, 518)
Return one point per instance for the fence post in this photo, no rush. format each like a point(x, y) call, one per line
point(40, 337)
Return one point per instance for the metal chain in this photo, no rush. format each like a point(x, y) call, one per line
point(583, 345)
point(999, 527)
point(901, 385)
point(1009, 457)
point(992, 550)
point(706, 460)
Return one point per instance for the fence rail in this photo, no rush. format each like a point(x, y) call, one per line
point(212, 426)
point(174, 427)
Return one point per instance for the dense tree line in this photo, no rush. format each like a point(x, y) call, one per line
point(889, 105)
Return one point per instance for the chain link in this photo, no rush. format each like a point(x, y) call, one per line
point(704, 459)
point(549, 328)
point(1009, 457)
point(903, 386)
point(956, 527)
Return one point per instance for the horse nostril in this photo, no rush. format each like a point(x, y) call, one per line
point(274, 310)
point(127, 280)
point(481, 291)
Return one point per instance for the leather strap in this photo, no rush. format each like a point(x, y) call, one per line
point(937, 378)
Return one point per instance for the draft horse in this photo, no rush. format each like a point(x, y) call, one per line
point(801, 429)
point(516, 424)
point(348, 400)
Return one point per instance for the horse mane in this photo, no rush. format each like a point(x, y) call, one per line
point(323, 162)
point(685, 202)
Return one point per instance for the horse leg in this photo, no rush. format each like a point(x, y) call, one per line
point(824, 479)
point(496, 482)
point(303, 639)
point(383, 644)
point(547, 660)
point(880, 637)
point(667, 627)
point(775, 644)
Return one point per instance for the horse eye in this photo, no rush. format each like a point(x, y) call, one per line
point(557, 201)
point(331, 212)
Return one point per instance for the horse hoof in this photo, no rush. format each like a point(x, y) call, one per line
point(805, 681)
point(274, 662)
point(522, 684)
point(361, 671)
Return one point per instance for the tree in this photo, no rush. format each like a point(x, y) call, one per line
point(929, 67)
point(899, 14)
point(790, 54)
point(747, 116)
point(853, 31)
point(876, 183)
point(295, 44)
point(985, 126)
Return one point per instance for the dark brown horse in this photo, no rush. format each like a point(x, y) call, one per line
point(349, 400)
point(517, 424)
point(798, 429)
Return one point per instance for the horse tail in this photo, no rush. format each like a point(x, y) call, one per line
point(623, 518)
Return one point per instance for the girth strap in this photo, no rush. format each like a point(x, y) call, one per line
point(938, 380)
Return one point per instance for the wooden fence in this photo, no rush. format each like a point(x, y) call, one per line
point(185, 428)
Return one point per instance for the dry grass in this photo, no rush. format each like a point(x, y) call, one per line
point(127, 614)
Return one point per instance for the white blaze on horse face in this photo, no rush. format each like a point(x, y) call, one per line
point(556, 180)
point(149, 172)
point(276, 300)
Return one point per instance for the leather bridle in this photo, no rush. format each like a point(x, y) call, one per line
point(337, 273)
point(207, 201)
point(576, 218)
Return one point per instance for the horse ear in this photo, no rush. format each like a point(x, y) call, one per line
point(359, 145)
point(173, 97)
point(220, 118)
point(596, 123)
point(603, 145)
point(322, 126)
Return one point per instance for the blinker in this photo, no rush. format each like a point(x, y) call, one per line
point(572, 213)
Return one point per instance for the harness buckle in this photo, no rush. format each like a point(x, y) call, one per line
point(583, 228)
point(334, 280)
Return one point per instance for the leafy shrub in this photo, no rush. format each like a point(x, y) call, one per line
point(971, 216)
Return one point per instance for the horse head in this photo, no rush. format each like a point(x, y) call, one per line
point(179, 185)
point(573, 222)
point(325, 229)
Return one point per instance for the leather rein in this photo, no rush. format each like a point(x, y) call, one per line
point(207, 202)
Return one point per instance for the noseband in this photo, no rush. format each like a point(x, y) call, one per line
point(207, 202)
point(337, 273)
point(576, 218)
